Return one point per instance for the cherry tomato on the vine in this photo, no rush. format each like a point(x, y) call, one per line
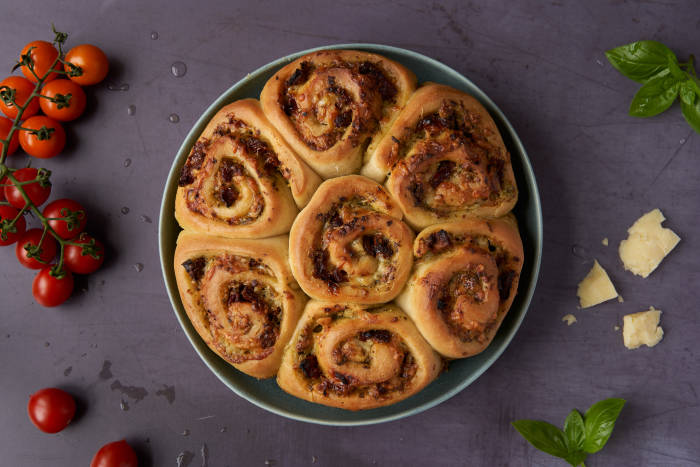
point(47, 251)
point(9, 213)
point(43, 55)
point(91, 60)
point(48, 142)
point(84, 260)
point(49, 290)
point(116, 454)
point(37, 194)
point(5, 127)
point(51, 409)
point(66, 228)
point(23, 88)
point(62, 111)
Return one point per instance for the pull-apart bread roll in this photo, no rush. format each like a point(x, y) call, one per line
point(355, 357)
point(241, 180)
point(240, 296)
point(463, 283)
point(333, 105)
point(349, 245)
point(443, 159)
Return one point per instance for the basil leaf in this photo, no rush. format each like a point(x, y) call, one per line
point(544, 436)
point(687, 92)
point(574, 430)
point(599, 422)
point(641, 60)
point(692, 114)
point(655, 96)
point(575, 458)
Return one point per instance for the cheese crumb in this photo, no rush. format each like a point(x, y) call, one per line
point(647, 244)
point(605, 241)
point(642, 329)
point(569, 319)
point(596, 287)
point(616, 327)
point(620, 299)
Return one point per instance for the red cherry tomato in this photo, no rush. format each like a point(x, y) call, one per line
point(43, 55)
point(47, 251)
point(5, 126)
point(84, 261)
point(116, 454)
point(9, 213)
point(37, 194)
point(51, 409)
point(91, 60)
point(58, 110)
point(23, 89)
point(63, 208)
point(52, 291)
point(42, 145)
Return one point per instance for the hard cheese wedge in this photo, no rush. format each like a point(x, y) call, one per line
point(596, 287)
point(642, 329)
point(647, 244)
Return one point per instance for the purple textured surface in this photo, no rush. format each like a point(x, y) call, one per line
point(117, 346)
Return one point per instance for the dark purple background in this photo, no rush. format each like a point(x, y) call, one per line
point(598, 170)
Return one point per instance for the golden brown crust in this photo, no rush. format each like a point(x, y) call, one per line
point(332, 105)
point(349, 244)
point(240, 297)
point(445, 159)
point(463, 282)
point(356, 358)
point(241, 180)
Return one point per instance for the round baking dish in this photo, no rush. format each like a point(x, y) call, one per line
point(266, 393)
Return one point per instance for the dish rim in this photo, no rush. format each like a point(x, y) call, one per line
point(223, 99)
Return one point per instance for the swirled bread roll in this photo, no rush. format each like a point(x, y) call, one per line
point(356, 357)
point(349, 245)
point(332, 105)
point(463, 283)
point(240, 296)
point(241, 180)
point(443, 159)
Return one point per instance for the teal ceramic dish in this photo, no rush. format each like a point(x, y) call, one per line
point(266, 393)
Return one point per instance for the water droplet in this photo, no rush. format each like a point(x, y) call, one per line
point(682, 141)
point(127, 162)
point(125, 210)
point(579, 251)
point(178, 69)
point(174, 118)
point(270, 462)
point(154, 35)
point(185, 432)
point(599, 62)
point(146, 219)
point(118, 87)
point(138, 267)
point(124, 405)
point(223, 429)
point(131, 110)
point(124, 87)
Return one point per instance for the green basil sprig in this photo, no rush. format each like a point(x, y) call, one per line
point(664, 79)
point(582, 435)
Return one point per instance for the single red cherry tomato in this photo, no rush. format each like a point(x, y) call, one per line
point(37, 194)
point(23, 88)
point(63, 89)
point(43, 55)
point(91, 60)
point(66, 228)
point(48, 142)
point(5, 126)
point(51, 409)
point(9, 213)
point(49, 290)
point(84, 260)
point(47, 251)
point(116, 454)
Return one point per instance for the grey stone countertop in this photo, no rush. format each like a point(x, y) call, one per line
point(117, 346)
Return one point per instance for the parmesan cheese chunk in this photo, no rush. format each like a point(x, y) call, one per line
point(647, 244)
point(596, 287)
point(642, 329)
point(569, 319)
